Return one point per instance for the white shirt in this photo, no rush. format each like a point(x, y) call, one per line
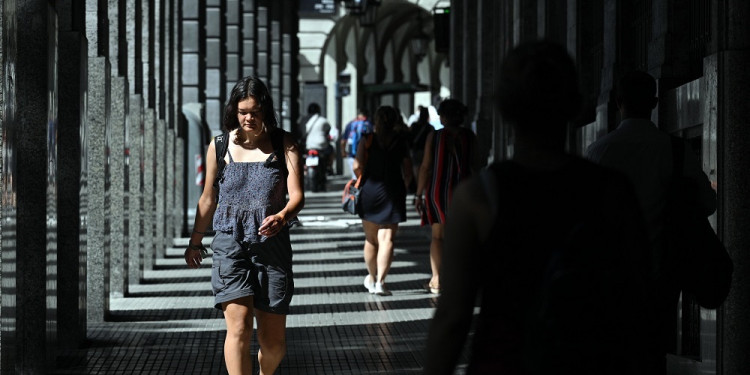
point(641, 151)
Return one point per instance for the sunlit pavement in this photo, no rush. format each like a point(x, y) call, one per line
point(167, 325)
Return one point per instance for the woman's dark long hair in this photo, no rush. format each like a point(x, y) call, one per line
point(245, 88)
point(386, 119)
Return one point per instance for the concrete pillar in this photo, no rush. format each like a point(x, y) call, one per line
point(117, 190)
point(29, 239)
point(249, 36)
point(160, 160)
point(97, 274)
point(262, 40)
point(471, 45)
point(133, 138)
point(606, 118)
point(487, 63)
point(215, 51)
point(456, 58)
point(275, 79)
point(72, 190)
point(181, 225)
point(732, 80)
point(290, 65)
point(148, 210)
point(233, 43)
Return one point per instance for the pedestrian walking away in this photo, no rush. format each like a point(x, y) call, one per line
point(247, 181)
point(384, 164)
point(449, 157)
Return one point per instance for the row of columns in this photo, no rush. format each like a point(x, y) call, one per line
point(699, 43)
point(97, 154)
point(92, 164)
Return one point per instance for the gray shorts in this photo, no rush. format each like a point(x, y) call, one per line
point(262, 270)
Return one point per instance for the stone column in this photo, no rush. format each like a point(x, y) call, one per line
point(263, 68)
point(97, 275)
point(72, 195)
point(606, 111)
point(471, 46)
point(160, 159)
point(215, 51)
point(29, 245)
point(487, 64)
point(731, 80)
point(148, 210)
point(275, 78)
point(233, 69)
point(117, 191)
point(457, 52)
point(249, 37)
point(290, 66)
point(133, 137)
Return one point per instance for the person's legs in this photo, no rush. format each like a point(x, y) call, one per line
point(271, 340)
point(385, 250)
point(436, 251)
point(238, 315)
point(371, 250)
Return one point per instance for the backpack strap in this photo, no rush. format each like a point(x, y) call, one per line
point(277, 142)
point(221, 144)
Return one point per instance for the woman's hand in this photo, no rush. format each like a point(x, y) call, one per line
point(194, 255)
point(419, 204)
point(272, 225)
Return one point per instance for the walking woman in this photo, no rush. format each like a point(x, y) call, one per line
point(449, 158)
point(384, 164)
point(251, 275)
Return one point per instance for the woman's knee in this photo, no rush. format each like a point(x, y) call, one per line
point(239, 318)
point(437, 232)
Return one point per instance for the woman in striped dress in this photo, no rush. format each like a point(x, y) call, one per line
point(449, 158)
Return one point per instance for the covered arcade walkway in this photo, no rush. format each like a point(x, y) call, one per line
point(167, 324)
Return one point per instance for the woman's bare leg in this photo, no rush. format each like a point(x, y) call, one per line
point(238, 315)
point(271, 339)
point(371, 247)
point(385, 250)
point(436, 251)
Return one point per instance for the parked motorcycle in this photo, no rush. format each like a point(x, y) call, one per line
point(315, 170)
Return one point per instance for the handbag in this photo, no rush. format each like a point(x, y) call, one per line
point(697, 262)
point(350, 198)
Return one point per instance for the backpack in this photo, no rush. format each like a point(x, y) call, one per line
point(577, 301)
point(356, 132)
point(221, 145)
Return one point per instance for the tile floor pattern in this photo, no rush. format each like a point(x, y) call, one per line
point(167, 324)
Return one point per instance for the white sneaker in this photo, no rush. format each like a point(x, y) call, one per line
point(381, 290)
point(369, 284)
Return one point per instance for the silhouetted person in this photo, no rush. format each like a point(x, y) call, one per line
point(641, 151)
point(549, 244)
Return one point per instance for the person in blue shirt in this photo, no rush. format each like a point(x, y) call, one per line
point(351, 136)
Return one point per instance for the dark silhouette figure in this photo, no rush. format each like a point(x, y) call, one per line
point(643, 152)
point(550, 245)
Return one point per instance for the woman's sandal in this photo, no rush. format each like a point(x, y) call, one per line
point(432, 289)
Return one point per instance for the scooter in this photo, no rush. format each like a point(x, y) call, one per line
point(315, 171)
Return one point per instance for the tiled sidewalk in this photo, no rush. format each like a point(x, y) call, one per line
point(167, 325)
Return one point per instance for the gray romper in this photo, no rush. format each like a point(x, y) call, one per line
point(245, 263)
